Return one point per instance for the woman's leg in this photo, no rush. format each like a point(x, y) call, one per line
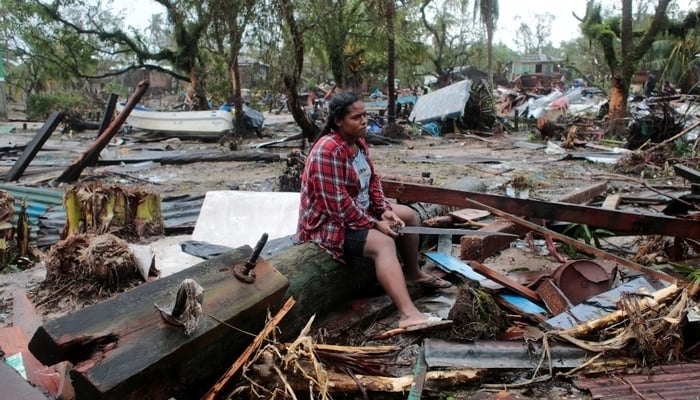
point(407, 244)
point(382, 250)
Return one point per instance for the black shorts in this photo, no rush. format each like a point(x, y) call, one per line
point(354, 244)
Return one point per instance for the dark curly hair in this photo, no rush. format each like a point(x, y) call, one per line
point(338, 109)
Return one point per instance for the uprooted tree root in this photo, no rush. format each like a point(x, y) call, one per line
point(85, 268)
point(476, 315)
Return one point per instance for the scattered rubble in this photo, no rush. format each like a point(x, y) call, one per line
point(609, 285)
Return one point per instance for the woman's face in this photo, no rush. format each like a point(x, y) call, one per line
point(354, 124)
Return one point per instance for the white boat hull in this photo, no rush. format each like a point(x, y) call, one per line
point(206, 124)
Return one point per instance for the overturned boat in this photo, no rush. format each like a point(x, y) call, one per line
point(211, 124)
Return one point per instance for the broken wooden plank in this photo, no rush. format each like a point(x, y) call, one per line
point(217, 156)
point(106, 120)
point(72, 173)
point(34, 146)
point(121, 347)
point(577, 243)
point(469, 214)
point(611, 201)
point(505, 281)
point(479, 247)
point(585, 194)
point(616, 221)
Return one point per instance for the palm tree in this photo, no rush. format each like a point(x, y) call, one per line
point(488, 10)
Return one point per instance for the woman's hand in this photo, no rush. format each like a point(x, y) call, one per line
point(386, 228)
point(388, 222)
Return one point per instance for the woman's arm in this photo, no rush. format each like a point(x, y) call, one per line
point(331, 168)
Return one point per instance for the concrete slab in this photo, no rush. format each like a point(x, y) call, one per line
point(238, 218)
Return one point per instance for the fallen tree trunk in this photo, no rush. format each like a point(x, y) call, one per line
point(214, 157)
point(319, 284)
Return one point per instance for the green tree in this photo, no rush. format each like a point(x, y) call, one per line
point(229, 22)
point(622, 60)
point(444, 31)
point(294, 40)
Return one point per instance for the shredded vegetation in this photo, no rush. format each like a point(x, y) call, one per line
point(84, 269)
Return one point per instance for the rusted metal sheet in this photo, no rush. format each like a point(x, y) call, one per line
point(552, 297)
point(617, 221)
point(581, 279)
point(597, 306)
point(668, 382)
point(498, 354)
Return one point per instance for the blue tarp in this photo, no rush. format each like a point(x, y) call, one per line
point(253, 119)
point(442, 104)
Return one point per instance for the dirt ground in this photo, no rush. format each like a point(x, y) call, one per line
point(453, 160)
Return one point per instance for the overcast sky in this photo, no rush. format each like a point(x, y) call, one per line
point(564, 25)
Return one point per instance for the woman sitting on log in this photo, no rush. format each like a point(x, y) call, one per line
point(344, 211)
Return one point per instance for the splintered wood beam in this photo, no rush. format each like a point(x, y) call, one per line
point(505, 281)
point(34, 146)
point(616, 221)
point(122, 348)
point(72, 173)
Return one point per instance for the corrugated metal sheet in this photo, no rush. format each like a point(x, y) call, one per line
point(445, 103)
point(498, 354)
point(668, 382)
point(47, 216)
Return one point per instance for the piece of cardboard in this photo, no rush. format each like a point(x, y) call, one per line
point(238, 218)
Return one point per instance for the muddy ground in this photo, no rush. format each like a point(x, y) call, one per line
point(487, 162)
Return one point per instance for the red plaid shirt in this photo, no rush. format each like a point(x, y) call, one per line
point(329, 189)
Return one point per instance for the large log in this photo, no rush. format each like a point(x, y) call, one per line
point(123, 349)
point(319, 284)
